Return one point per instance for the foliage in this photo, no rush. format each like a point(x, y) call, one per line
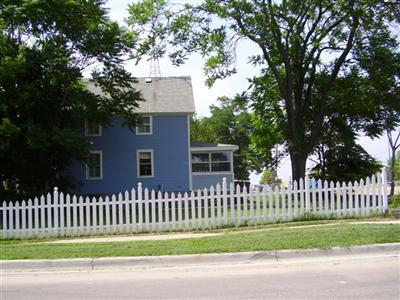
point(297, 42)
point(396, 169)
point(229, 123)
point(380, 60)
point(346, 162)
point(338, 155)
point(269, 176)
point(395, 201)
point(45, 48)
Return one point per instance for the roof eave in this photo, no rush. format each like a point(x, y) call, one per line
point(216, 148)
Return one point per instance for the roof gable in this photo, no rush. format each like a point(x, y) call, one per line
point(162, 95)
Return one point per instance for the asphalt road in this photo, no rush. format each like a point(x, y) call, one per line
point(366, 277)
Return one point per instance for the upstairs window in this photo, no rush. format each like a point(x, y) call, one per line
point(94, 168)
point(146, 127)
point(206, 162)
point(145, 163)
point(92, 128)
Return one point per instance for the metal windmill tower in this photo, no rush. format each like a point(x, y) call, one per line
point(155, 71)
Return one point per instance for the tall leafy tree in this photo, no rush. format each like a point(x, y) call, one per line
point(380, 60)
point(296, 39)
point(45, 48)
point(230, 123)
point(338, 155)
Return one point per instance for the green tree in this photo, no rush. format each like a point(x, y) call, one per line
point(395, 171)
point(345, 162)
point(397, 167)
point(229, 123)
point(269, 176)
point(380, 60)
point(297, 40)
point(339, 157)
point(45, 48)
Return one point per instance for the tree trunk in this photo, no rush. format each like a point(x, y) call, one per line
point(392, 170)
point(298, 160)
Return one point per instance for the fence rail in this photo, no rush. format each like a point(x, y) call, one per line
point(57, 214)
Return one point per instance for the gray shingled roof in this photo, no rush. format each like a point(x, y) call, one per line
point(163, 95)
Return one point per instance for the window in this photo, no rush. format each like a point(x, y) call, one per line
point(94, 168)
point(146, 127)
point(145, 163)
point(220, 162)
point(200, 162)
point(211, 162)
point(92, 128)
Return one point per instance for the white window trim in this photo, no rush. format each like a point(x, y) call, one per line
point(101, 166)
point(210, 164)
point(88, 134)
point(138, 162)
point(151, 127)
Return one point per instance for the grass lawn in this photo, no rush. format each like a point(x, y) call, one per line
point(272, 238)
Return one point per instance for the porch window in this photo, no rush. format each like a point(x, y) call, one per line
point(200, 162)
point(205, 162)
point(220, 162)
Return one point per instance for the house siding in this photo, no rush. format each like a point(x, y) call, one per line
point(169, 143)
point(205, 181)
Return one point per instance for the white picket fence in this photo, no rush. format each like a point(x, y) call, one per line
point(60, 214)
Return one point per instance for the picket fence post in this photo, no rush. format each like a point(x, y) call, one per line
point(186, 204)
point(307, 191)
point(385, 188)
point(239, 206)
point(367, 197)
point(290, 202)
point(224, 200)
point(277, 204)
point(140, 208)
point(380, 194)
point(55, 207)
point(4, 231)
point(211, 207)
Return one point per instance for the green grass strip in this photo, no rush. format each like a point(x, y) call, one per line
point(340, 235)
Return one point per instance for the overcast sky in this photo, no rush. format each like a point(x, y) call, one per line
point(237, 83)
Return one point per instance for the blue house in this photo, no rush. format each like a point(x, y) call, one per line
point(159, 153)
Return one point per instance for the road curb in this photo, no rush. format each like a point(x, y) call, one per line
point(144, 262)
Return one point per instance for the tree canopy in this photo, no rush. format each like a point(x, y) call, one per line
point(46, 47)
point(303, 47)
point(230, 123)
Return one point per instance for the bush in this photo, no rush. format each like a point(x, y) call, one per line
point(395, 201)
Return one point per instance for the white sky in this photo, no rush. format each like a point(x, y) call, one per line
point(237, 83)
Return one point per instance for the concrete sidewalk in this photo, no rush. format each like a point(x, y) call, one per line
point(148, 262)
point(143, 237)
